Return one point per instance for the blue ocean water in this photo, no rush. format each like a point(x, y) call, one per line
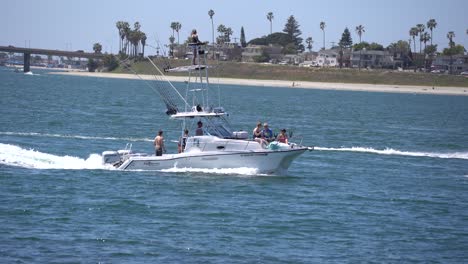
point(388, 181)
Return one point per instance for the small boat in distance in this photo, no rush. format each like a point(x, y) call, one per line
point(220, 147)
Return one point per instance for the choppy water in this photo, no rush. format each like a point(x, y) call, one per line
point(388, 181)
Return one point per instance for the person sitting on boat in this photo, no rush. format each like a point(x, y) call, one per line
point(159, 144)
point(257, 134)
point(199, 130)
point(267, 134)
point(183, 141)
point(195, 42)
point(282, 137)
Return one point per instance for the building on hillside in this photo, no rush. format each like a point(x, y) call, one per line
point(181, 52)
point(402, 60)
point(372, 59)
point(292, 59)
point(251, 51)
point(309, 56)
point(308, 59)
point(228, 52)
point(458, 63)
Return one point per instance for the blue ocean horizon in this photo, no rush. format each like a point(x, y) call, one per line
point(387, 181)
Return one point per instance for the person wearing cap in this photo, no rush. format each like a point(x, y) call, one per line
point(282, 137)
point(267, 134)
point(199, 130)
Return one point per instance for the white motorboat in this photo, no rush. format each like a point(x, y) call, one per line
point(220, 147)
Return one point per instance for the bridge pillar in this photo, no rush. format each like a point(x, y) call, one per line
point(27, 62)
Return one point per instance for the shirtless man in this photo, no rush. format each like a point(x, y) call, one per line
point(159, 144)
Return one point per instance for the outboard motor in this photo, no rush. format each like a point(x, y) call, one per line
point(112, 157)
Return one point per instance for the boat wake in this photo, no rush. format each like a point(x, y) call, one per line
point(12, 155)
point(390, 151)
point(33, 134)
point(30, 73)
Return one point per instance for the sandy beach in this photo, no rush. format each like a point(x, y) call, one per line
point(295, 84)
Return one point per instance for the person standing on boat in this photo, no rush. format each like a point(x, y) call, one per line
point(183, 141)
point(195, 43)
point(282, 137)
point(267, 134)
point(159, 144)
point(199, 130)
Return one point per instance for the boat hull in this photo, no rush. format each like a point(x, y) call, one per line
point(268, 162)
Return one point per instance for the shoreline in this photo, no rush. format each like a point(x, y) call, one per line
point(437, 90)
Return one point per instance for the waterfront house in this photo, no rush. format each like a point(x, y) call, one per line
point(229, 52)
point(372, 59)
point(327, 58)
point(252, 51)
point(458, 63)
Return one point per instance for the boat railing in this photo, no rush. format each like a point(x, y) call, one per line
point(298, 137)
point(128, 147)
point(127, 151)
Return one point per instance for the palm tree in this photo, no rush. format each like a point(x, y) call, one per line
point(126, 35)
point(227, 34)
point(221, 30)
point(135, 39)
point(270, 18)
point(136, 26)
point(309, 42)
point(359, 31)
point(97, 47)
point(421, 29)
point(431, 24)
point(211, 14)
point(450, 36)
point(171, 46)
point(178, 26)
point(322, 27)
point(119, 26)
point(143, 43)
point(173, 27)
point(425, 38)
point(414, 33)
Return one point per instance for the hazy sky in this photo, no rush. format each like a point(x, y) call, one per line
point(77, 24)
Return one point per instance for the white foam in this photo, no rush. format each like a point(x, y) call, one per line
point(29, 158)
point(28, 134)
point(30, 73)
point(390, 151)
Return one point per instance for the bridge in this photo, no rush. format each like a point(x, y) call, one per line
point(28, 51)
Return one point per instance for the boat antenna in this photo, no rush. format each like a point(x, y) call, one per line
point(217, 74)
